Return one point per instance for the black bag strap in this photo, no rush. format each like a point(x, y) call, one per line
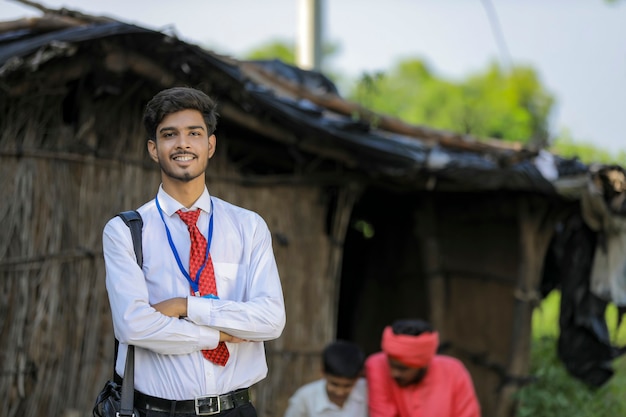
point(133, 220)
point(127, 407)
point(135, 223)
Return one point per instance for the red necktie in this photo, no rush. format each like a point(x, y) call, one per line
point(197, 253)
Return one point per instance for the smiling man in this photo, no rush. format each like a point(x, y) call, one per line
point(409, 379)
point(208, 294)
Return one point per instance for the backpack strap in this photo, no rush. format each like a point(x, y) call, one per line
point(133, 220)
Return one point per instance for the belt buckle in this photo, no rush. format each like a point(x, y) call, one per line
point(212, 402)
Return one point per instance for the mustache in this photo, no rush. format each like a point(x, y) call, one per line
point(180, 153)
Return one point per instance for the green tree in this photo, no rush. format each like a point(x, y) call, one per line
point(509, 105)
point(286, 51)
point(277, 49)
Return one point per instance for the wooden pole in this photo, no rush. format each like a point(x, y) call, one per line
point(536, 226)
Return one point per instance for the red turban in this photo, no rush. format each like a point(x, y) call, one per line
point(413, 351)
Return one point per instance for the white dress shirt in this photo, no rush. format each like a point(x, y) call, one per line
point(168, 358)
point(311, 400)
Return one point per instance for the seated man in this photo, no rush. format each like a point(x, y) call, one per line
point(408, 378)
point(342, 392)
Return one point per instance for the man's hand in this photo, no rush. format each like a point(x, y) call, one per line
point(174, 307)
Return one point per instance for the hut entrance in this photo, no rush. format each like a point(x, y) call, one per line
point(382, 277)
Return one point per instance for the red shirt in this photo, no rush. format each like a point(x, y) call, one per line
point(445, 391)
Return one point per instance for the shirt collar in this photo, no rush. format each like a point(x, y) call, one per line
point(169, 205)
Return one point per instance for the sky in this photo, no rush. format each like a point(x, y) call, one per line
point(577, 47)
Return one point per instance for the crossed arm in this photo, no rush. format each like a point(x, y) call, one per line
point(257, 314)
point(177, 307)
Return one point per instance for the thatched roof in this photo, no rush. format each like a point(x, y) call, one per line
point(293, 108)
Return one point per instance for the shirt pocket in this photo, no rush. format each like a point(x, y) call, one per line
point(230, 280)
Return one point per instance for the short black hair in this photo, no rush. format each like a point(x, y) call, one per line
point(343, 359)
point(411, 327)
point(177, 99)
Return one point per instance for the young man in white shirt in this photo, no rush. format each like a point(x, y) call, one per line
point(342, 392)
point(160, 308)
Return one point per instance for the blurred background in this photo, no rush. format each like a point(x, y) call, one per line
point(559, 67)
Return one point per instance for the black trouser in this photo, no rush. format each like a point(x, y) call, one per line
point(246, 410)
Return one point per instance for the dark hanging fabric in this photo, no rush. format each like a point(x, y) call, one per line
point(551, 275)
point(584, 344)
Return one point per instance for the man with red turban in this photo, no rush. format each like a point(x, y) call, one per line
point(409, 379)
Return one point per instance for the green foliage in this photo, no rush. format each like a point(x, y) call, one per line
point(277, 49)
point(286, 51)
point(545, 320)
point(364, 227)
point(509, 105)
point(555, 392)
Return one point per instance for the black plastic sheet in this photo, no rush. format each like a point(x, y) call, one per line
point(584, 344)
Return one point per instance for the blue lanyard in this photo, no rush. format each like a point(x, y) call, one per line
point(192, 282)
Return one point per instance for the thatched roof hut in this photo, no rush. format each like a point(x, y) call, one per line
point(461, 226)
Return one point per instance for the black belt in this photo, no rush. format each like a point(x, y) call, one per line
point(202, 406)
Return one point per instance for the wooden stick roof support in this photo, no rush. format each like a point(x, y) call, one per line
point(341, 221)
point(536, 227)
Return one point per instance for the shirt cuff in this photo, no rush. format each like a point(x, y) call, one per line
point(197, 308)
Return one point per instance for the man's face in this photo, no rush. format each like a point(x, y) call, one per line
point(405, 375)
point(183, 146)
point(339, 388)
